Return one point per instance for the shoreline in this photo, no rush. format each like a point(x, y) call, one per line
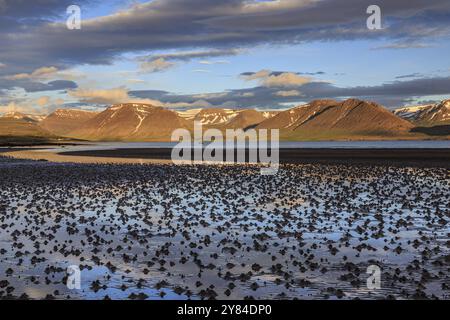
point(397, 157)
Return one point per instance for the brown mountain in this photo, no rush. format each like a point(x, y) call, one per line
point(227, 118)
point(131, 122)
point(245, 119)
point(19, 116)
point(329, 119)
point(215, 116)
point(427, 115)
point(63, 121)
point(21, 128)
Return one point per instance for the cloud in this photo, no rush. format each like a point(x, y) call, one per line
point(209, 62)
point(13, 107)
point(201, 71)
point(49, 86)
point(40, 73)
point(157, 65)
point(276, 79)
point(285, 80)
point(189, 55)
point(213, 25)
point(135, 81)
point(189, 105)
point(411, 75)
point(404, 45)
point(390, 94)
point(162, 62)
point(42, 101)
point(37, 106)
point(36, 8)
point(109, 96)
point(290, 93)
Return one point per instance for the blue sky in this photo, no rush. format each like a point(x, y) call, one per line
point(239, 54)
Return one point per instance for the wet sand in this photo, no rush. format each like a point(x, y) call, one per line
point(69, 158)
point(160, 231)
point(405, 157)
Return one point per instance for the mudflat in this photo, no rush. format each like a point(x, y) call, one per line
point(421, 157)
point(223, 232)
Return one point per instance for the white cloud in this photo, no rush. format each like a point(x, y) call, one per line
point(195, 104)
point(263, 74)
point(162, 62)
point(36, 106)
point(43, 101)
point(209, 62)
point(289, 93)
point(285, 80)
point(213, 95)
point(13, 107)
point(268, 78)
point(156, 65)
point(40, 73)
point(109, 96)
point(135, 81)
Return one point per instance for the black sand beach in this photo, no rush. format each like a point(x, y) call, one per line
point(414, 157)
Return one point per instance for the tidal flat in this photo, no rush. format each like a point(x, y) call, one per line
point(160, 231)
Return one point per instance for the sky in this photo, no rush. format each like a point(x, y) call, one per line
point(183, 54)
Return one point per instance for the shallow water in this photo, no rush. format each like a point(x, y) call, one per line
point(178, 232)
point(406, 144)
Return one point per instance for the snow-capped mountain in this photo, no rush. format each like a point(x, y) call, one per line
point(426, 115)
point(214, 116)
point(228, 118)
point(131, 121)
point(329, 119)
point(16, 124)
point(21, 116)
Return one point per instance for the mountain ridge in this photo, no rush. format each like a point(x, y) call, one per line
point(322, 119)
point(426, 115)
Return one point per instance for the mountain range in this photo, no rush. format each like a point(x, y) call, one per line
point(17, 127)
point(427, 115)
point(318, 120)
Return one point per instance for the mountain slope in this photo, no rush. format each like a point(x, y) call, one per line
point(63, 121)
point(20, 116)
point(427, 115)
point(329, 119)
point(14, 130)
point(244, 119)
point(227, 118)
point(215, 116)
point(133, 122)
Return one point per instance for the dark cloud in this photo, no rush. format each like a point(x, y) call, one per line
point(36, 86)
point(392, 94)
point(411, 75)
point(218, 24)
point(317, 73)
point(277, 73)
point(20, 9)
point(51, 86)
point(189, 55)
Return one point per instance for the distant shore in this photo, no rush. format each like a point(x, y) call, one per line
point(403, 157)
point(427, 157)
